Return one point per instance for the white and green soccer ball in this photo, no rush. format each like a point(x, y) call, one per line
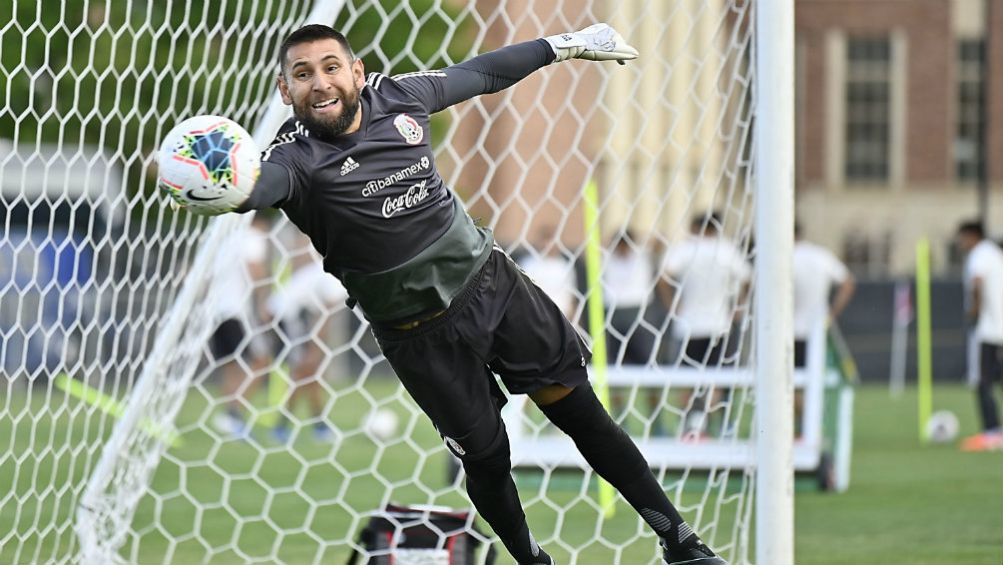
point(942, 427)
point(381, 424)
point(208, 165)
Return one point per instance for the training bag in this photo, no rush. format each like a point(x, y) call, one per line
point(421, 535)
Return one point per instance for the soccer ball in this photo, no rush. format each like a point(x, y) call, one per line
point(942, 427)
point(208, 165)
point(381, 424)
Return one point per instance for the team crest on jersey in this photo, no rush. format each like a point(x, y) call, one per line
point(409, 129)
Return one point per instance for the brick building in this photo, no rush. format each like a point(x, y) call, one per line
point(888, 113)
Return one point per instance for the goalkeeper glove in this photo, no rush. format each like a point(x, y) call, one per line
point(598, 42)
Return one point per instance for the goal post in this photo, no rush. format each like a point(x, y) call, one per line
point(774, 160)
point(128, 445)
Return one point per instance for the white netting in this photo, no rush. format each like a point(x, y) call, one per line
point(122, 441)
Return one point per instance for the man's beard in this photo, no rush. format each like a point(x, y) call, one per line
point(329, 129)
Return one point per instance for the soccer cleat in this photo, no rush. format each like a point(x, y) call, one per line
point(281, 434)
point(232, 427)
point(322, 433)
point(700, 561)
point(699, 555)
point(985, 441)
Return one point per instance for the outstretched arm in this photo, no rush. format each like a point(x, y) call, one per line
point(271, 188)
point(500, 69)
point(484, 74)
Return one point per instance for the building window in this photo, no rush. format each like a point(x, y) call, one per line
point(868, 109)
point(971, 108)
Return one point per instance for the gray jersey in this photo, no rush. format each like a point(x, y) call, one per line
point(373, 202)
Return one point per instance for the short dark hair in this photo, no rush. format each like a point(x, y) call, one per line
point(310, 33)
point(972, 228)
point(626, 238)
point(707, 222)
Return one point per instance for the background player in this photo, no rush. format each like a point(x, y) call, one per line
point(816, 272)
point(237, 343)
point(306, 306)
point(705, 285)
point(984, 298)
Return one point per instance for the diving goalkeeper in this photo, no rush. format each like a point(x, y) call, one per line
point(354, 170)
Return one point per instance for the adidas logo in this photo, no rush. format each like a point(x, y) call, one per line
point(348, 166)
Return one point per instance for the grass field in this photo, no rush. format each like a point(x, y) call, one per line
point(908, 504)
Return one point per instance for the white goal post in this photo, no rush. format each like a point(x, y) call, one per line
point(129, 442)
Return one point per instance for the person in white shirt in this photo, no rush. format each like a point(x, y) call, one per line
point(983, 278)
point(704, 285)
point(551, 271)
point(816, 272)
point(628, 280)
point(239, 311)
point(305, 307)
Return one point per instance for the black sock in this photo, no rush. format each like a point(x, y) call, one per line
point(524, 548)
point(493, 492)
point(615, 457)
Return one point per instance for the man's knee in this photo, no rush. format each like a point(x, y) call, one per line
point(484, 451)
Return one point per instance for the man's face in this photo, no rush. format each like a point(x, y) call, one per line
point(322, 83)
point(966, 241)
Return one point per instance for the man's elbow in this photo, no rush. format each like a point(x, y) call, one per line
point(850, 285)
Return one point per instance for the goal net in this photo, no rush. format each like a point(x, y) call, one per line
point(184, 390)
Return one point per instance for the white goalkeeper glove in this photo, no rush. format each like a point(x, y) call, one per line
point(598, 42)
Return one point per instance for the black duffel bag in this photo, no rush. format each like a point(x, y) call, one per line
point(421, 535)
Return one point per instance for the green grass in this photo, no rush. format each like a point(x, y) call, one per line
point(224, 503)
point(907, 503)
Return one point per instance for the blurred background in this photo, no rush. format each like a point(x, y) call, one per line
point(898, 116)
point(899, 136)
point(899, 139)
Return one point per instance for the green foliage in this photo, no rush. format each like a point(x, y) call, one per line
point(112, 74)
point(396, 37)
point(117, 74)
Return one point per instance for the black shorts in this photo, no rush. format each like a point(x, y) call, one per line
point(227, 338)
point(705, 352)
point(500, 323)
point(800, 353)
point(230, 340)
point(990, 362)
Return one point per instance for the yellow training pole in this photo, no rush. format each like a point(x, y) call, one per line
point(279, 378)
point(113, 407)
point(278, 387)
point(597, 317)
point(923, 341)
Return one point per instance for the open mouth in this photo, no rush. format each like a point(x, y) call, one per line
point(325, 105)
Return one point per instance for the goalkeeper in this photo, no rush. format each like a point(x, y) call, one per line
point(354, 170)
